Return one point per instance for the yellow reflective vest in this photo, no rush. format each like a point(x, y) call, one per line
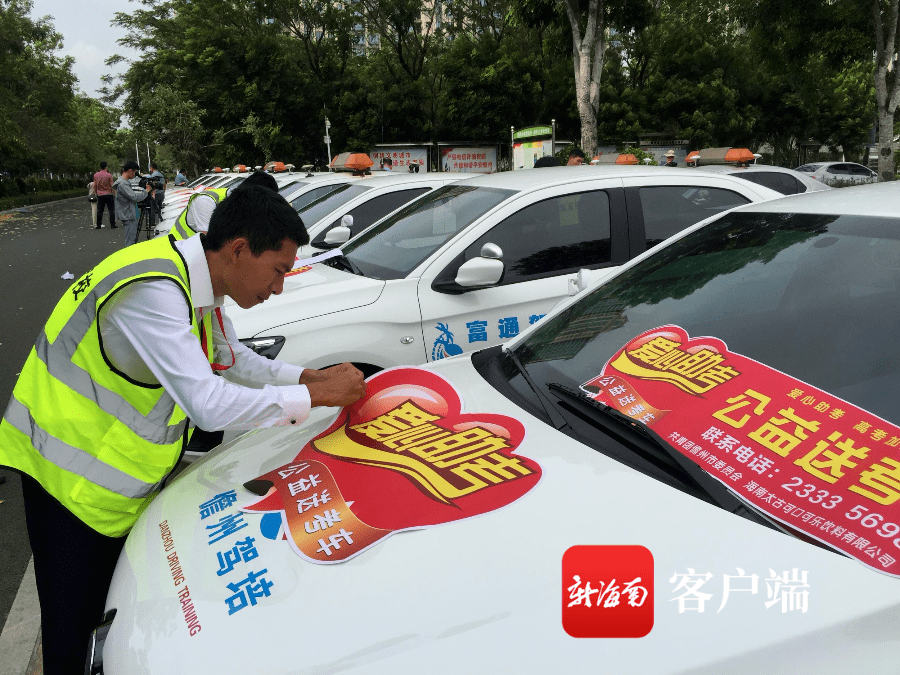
point(181, 229)
point(98, 441)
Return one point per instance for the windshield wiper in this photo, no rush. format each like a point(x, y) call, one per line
point(701, 480)
point(556, 419)
point(345, 263)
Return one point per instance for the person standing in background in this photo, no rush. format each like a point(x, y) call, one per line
point(103, 187)
point(127, 199)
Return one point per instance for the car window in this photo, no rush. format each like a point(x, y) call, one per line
point(808, 168)
point(838, 169)
point(292, 186)
point(784, 183)
point(198, 181)
point(232, 182)
point(313, 194)
point(859, 170)
point(668, 210)
point(553, 236)
point(400, 243)
point(312, 212)
point(771, 286)
point(372, 210)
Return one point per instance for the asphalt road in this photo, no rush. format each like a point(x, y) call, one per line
point(36, 249)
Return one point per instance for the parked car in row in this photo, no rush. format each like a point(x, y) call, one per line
point(699, 453)
point(839, 174)
point(473, 263)
point(785, 181)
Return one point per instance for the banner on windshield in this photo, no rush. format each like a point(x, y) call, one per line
point(808, 459)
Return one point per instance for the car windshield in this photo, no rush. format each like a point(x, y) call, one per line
point(813, 296)
point(809, 168)
point(329, 198)
point(399, 244)
point(198, 181)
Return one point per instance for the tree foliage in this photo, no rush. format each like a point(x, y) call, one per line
point(45, 125)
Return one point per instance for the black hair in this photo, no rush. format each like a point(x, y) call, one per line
point(131, 164)
point(103, 165)
point(263, 217)
point(576, 152)
point(260, 178)
point(152, 166)
point(546, 160)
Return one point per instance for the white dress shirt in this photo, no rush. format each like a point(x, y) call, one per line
point(200, 212)
point(147, 335)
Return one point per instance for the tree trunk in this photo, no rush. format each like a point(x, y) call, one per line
point(589, 52)
point(887, 89)
point(886, 164)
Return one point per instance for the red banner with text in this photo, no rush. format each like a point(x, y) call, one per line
point(810, 460)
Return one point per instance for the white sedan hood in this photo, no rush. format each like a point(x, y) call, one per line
point(308, 292)
point(483, 594)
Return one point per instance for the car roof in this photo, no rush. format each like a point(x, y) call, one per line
point(728, 169)
point(530, 179)
point(874, 199)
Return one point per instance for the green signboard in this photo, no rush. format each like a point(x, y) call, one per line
point(533, 131)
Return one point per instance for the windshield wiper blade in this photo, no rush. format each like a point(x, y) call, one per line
point(720, 494)
point(556, 419)
point(347, 264)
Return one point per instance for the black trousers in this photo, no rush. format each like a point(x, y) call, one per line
point(109, 202)
point(73, 566)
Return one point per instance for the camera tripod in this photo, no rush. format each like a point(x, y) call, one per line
point(150, 215)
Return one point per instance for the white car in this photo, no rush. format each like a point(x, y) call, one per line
point(785, 181)
point(505, 512)
point(839, 174)
point(472, 264)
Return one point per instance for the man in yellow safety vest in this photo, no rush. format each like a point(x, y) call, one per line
point(98, 417)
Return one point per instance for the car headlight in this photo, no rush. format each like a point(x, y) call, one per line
point(265, 346)
point(94, 665)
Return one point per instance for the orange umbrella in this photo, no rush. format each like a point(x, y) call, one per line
point(240, 168)
point(218, 169)
point(274, 167)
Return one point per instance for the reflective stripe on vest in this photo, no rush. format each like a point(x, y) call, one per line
point(74, 459)
point(98, 441)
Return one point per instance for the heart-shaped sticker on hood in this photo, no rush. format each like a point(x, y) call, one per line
point(404, 457)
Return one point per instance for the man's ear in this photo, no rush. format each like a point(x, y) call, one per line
point(239, 246)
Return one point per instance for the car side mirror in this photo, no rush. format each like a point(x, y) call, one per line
point(485, 270)
point(340, 234)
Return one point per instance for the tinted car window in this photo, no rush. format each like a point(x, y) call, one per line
point(808, 168)
point(784, 183)
point(860, 170)
point(838, 169)
point(373, 210)
point(293, 186)
point(314, 211)
point(551, 237)
point(312, 195)
point(668, 210)
point(774, 287)
point(396, 246)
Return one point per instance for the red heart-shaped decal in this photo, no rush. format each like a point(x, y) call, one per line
point(405, 456)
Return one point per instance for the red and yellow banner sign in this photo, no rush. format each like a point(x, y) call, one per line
point(404, 457)
point(806, 458)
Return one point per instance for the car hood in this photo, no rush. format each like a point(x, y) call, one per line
point(309, 291)
point(482, 594)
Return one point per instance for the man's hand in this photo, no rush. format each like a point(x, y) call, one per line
point(336, 386)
